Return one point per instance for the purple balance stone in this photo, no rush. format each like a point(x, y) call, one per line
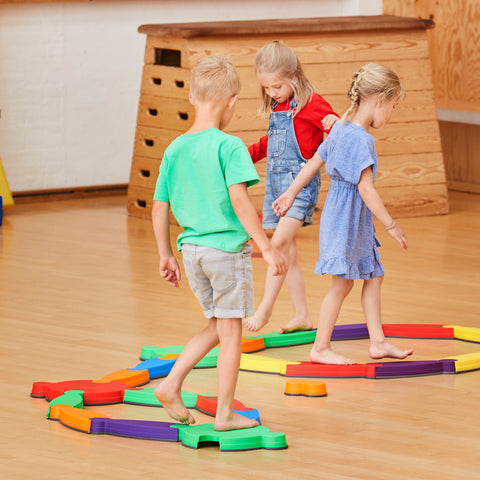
point(355, 331)
point(409, 369)
point(135, 429)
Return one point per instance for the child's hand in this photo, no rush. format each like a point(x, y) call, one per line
point(283, 203)
point(169, 270)
point(276, 261)
point(399, 235)
point(328, 121)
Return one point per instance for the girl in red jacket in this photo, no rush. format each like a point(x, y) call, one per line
point(298, 119)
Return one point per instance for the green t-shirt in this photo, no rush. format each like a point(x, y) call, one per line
point(194, 177)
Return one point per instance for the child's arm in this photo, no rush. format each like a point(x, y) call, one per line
point(258, 151)
point(168, 266)
point(375, 204)
point(248, 217)
point(283, 203)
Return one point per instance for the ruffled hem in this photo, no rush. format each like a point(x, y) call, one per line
point(369, 267)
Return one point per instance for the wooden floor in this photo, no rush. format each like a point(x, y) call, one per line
point(80, 296)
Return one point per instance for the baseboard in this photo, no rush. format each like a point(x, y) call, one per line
point(51, 195)
point(463, 187)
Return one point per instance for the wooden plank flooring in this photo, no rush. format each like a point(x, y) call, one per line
point(80, 296)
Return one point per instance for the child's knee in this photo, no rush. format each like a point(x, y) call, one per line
point(281, 244)
point(343, 286)
point(348, 286)
point(374, 282)
point(230, 328)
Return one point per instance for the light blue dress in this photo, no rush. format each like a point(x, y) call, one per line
point(348, 245)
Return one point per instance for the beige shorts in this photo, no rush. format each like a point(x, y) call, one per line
point(221, 281)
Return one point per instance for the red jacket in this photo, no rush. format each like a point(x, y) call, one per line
point(307, 124)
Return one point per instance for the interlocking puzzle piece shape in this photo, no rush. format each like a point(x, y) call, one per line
point(275, 339)
point(251, 345)
point(75, 418)
point(373, 370)
point(132, 378)
point(466, 362)
point(469, 334)
point(208, 361)
point(142, 429)
point(68, 409)
point(352, 331)
point(74, 398)
point(258, 363)
point(233, 440)
point(155, 352)
point(305, 388)
point(94, 393)
point(310, 369)
point(417, 331)
point(414, 368)
point(208, 405)
point(145, 396)
point(157, 367)
point(203, 403)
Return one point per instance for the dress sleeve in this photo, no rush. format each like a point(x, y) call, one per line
point(358, 153)
point(258, 151)
point(326, 146)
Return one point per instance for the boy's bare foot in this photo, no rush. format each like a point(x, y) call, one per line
point(385, 349)
point(255, 323)
point(173, 404)
point(296, 324)
point(234, 422)
point(329, 357)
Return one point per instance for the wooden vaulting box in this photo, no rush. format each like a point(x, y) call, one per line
point(411, 176)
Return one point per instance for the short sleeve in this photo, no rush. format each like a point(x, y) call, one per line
point(348, 150)
point(360, 155)
point(237, 163)
point(327, 146)
point(323, 150)
point(161, 187)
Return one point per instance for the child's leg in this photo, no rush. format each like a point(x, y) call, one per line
point(282, 239)
point(296, 288)
point(322, 351)
point(169, 391)
point(379, 347)
point(228, 364)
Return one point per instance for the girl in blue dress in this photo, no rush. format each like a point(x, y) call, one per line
point(348, 245)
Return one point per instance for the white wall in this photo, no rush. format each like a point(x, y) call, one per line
point(70, 75)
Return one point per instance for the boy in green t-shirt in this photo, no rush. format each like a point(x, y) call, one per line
point(204, 177)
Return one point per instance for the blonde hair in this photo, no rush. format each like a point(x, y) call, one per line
point(279, 59)
point(373, 79)
point(214, 77)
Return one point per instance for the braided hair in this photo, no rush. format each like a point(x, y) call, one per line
point(372, 79)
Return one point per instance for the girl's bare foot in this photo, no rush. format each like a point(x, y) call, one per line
point(173, 404)
point(255, 323)
point(385, 349)
point(234, 422)
point(329, 357)
point(296, 324)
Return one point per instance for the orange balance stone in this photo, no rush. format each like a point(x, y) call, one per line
point(305, 388)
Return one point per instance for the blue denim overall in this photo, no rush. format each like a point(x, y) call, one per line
point(284, 162)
